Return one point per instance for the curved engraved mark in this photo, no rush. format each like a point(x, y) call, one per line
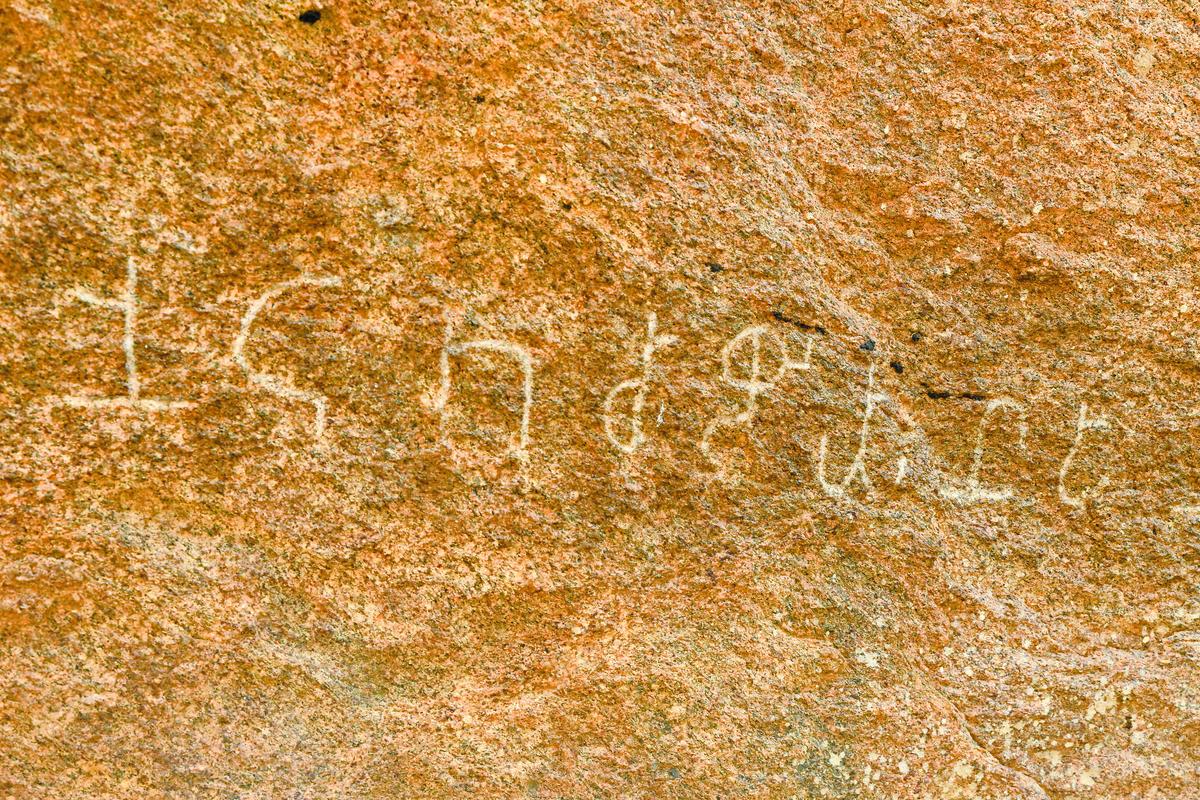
point(127, 305)
point(755, 384)
point(1082, 426)
point(858, 467)
point(639, 387)
point(973, 491)
point(522, 357)
point(275, 385)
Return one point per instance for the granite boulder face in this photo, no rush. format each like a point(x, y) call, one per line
point(602, 399)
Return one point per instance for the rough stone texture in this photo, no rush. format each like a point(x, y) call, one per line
point(969, 210)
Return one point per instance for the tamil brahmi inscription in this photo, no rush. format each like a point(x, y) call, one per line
point(754, 362)
point(686, 400)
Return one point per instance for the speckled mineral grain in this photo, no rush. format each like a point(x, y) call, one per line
point(599, 399)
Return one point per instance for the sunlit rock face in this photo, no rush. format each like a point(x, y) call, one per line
point(599, 400)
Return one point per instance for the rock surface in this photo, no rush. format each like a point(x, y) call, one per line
point(601, 399)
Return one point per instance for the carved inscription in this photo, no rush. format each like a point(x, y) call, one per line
point(127, 306)
point(973, 490)
point(858, 467)
point(271, 383)
point(1083, 424)
point(520, 448)
point(754, 362)
point(755, 383)
point(638, 387)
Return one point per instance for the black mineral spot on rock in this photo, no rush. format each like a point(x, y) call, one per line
point(936, 395)
point(804, 326)
point(868, 345)
point(897, 366)
point(916, 337)
point(566, 205)
point(713, 266)
point(479, 99)
point(310, 17)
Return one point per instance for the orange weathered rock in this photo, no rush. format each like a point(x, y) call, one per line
point(612, 399)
